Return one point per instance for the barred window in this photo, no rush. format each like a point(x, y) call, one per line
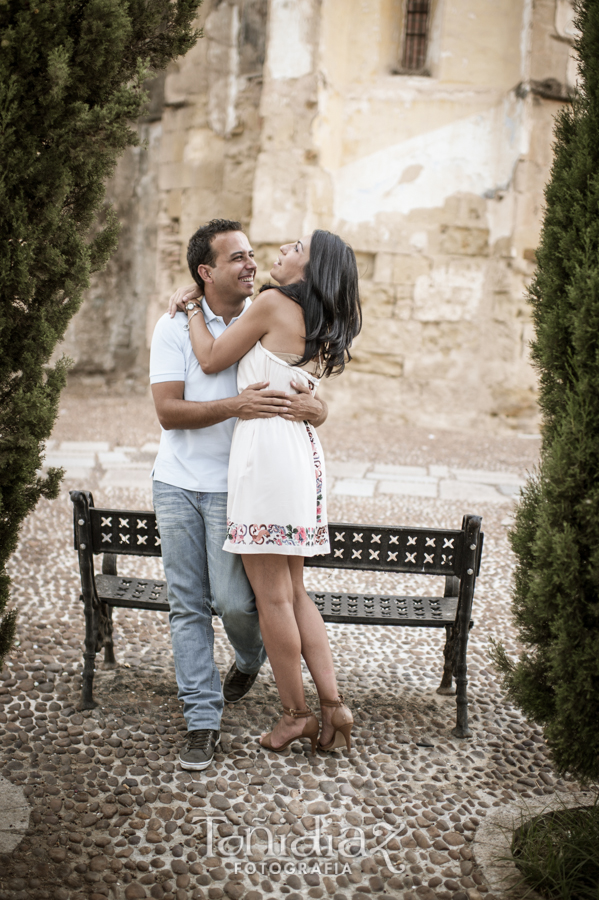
point(417, 13)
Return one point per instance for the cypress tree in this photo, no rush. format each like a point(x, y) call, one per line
point(71, 82)
point(556, 533)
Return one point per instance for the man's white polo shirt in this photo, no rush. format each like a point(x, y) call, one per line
point(195, 459)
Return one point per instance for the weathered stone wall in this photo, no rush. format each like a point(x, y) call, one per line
point(197, 161)
point(210, 136)
point(107, 338)
point(437, 182)
point(302, 122)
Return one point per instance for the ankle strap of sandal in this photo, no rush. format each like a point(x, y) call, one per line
point(298, 713)
point(338, 702)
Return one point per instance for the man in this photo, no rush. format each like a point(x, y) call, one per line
point(197, 413)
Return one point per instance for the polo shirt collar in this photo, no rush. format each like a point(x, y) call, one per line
point(209, 316)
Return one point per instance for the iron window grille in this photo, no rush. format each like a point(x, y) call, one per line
point(415, 44)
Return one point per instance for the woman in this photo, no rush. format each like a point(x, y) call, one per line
point(301, 331)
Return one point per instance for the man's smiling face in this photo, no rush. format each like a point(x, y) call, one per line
point(232, 274)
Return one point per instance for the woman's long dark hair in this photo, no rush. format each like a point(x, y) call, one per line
point(330, 300)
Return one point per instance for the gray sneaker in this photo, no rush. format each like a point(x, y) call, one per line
point(199, 748)
point(237, 684)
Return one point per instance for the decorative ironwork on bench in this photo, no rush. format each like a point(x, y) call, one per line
point(425, 551)
point(124, 531)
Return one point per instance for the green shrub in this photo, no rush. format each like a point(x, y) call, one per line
point(556, 534)
point(71, 82)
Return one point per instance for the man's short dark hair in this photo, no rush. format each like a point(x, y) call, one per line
point(199, 249)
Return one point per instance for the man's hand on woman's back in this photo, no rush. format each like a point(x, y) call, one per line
point(303, 407)
point(255, 402)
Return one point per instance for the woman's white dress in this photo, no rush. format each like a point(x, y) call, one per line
point(276, 500)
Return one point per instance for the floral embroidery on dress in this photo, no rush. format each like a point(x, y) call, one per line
point(236, 533)
point(318, 473)
point(281, 535)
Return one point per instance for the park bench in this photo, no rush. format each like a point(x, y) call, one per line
point(424, 551)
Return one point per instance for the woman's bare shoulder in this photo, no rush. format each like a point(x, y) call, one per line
point(270, 295)
point(273, 302)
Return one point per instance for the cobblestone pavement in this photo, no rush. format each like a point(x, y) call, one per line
point(113, 815)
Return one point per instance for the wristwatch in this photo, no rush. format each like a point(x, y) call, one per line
point(191, 305)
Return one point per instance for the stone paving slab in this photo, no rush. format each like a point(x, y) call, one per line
point(14, 815)
point(470, 492)
point(481, 476)
point(113, 459)
point(113, 816)
point(84, 446)
point(412, 488)
point(408, 472)
point(341, 469)
point(493, 840)
point(83, 460)
point(353, 487)
point(126, 478)
point(150, 447)
point(510, 490)
point(76, 474)
point(405, 479)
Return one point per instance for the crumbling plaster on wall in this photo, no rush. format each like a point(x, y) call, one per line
point(286, 160)
point(474, 154)
point(290, 49)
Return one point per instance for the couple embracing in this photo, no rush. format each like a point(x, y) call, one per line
point(238, 481)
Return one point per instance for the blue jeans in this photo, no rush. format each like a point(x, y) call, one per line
point(201, 575)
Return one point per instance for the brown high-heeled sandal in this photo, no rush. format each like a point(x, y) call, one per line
point(310, 730)
point(342, 721)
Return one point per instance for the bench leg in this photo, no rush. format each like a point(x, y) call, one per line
point(446, 687)
point(461, 729)
point(106, 614)
point(463, 620)
point(108, 568)
point(89, 656)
